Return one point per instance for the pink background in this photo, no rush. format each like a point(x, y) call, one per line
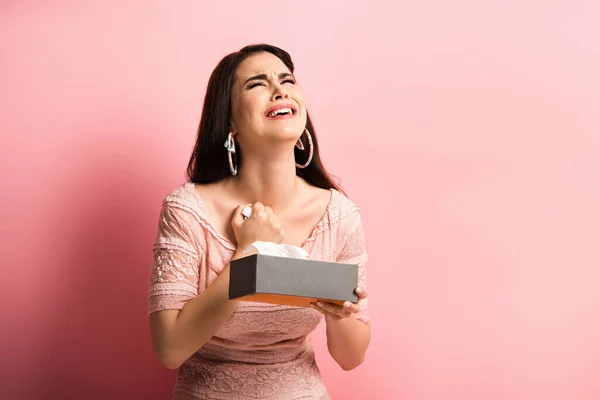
point(468, 131)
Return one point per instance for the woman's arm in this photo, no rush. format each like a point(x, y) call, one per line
point(348, 328)
point(177, 334)
point(347, 336)
point(347, 340)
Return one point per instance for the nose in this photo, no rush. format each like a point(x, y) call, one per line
point(279, 93)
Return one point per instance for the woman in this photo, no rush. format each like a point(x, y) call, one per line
point(256, 147)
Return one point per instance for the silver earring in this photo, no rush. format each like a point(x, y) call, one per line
point(300, 145)
point(230, 146)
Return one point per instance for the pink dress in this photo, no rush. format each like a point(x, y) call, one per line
point(263, 351)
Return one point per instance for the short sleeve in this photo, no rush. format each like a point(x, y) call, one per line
point(175, 268)
point(354, 252)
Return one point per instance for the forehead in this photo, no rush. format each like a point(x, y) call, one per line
point(261, 63)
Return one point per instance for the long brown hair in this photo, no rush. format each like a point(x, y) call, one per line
point(208, 162)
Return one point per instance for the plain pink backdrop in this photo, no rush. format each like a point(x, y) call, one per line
point(466, 130)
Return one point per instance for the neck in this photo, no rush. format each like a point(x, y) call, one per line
point(269, 180)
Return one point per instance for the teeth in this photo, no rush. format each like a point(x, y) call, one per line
point(280, 111)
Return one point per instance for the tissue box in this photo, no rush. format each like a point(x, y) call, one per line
point(291, 281)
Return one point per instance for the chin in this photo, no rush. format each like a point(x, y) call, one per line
point(285, 133)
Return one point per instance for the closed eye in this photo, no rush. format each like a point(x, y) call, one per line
point(289, 81)
point(255, 84)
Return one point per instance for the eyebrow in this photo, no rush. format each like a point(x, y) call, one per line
point(263, 77)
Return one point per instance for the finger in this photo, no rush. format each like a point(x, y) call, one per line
point(335, 309)
point(351, 308)
point(354, 308)
point(273, 220)
point(269, 210)
point(360, 292)
point(275, 223)
point(258, 208)
point(323, 311)
point(279, 234)
point(314, 306)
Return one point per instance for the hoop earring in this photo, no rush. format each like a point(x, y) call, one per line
point(230, 146)
point(300, 146)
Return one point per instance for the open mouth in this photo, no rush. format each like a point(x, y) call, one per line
point(284, 111)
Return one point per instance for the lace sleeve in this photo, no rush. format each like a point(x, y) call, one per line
point(174, 274)
point(354, 252)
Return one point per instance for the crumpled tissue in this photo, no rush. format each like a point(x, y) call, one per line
point(279, 250)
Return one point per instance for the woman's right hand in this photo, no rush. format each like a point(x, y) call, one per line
point(262, 226)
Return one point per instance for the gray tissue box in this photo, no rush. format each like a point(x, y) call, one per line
point(280, 280)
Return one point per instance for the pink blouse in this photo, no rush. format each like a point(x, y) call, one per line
point(263, 351)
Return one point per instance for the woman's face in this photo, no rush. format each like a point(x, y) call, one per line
point(267, 105)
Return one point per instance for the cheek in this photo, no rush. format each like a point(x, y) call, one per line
point(244, 109)
point(299, 97)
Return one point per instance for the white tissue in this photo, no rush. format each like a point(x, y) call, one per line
point(279, 250)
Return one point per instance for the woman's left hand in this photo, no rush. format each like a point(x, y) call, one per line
point(338, 312)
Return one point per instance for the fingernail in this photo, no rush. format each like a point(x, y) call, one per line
point(358, 290)
point(319, 304)
point(347, 304)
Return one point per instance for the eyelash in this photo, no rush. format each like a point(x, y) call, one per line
point(255, 84)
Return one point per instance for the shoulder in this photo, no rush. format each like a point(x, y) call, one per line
point(184, 201)
point(342, 215)
point(341, 208)
point(182, 194)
